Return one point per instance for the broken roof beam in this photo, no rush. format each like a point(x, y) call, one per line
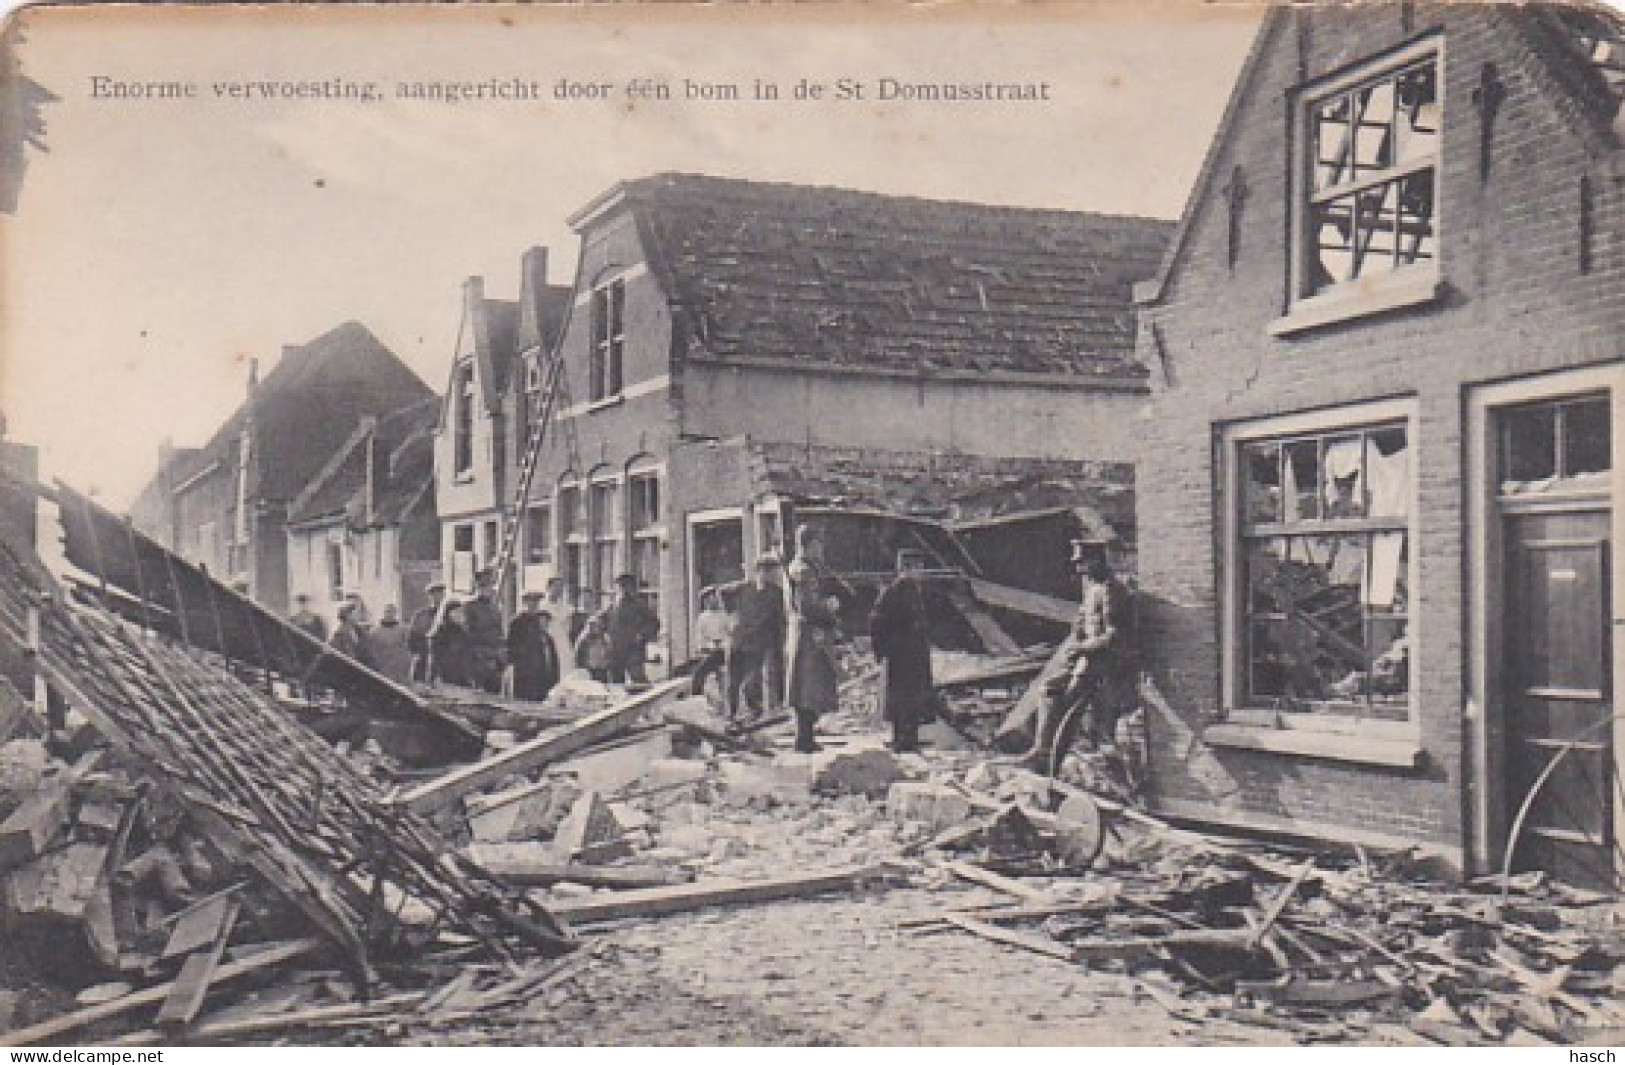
point(550, 747)
point(658, 902)
point(1033, 604)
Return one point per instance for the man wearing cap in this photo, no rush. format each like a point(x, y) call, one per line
point(532, 653)
point(483, 621)
point(756, 644)
point(812, 683)
point(306, 619)
point(900, 629)
point(1100, 654)
point(423, 624)
point(630, 625)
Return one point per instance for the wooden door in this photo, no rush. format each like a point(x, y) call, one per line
point(1557, 693)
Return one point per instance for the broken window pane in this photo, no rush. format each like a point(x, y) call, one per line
point(1261, 469)
point(1388, 474)
point(1371, 177)
point(1343, 468)
point(1301, 470)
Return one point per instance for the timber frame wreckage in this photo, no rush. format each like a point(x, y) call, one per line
point(1354, 445)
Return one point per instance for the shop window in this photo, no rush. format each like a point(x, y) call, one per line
point(1562, 446)
point(1322, 610)
point(1368, 180)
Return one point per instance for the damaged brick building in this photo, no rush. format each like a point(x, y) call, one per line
point(1379, 489)
point(735, 349)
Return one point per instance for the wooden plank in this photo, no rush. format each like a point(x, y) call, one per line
point(15, 712)
point(192, 985)
point(199, 925)
point(68, 1022)
point(29, 830)
point(546, 874)
point(1033, 604)
point(320, 1016)
point(657, 902)
point(1009, 937)
point(1015, 888)
point(1136, 949)
point(1282, 901)
point(989, 631)
point(550, 747)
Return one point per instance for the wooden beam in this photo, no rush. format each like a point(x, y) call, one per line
point(1009, 937)
point(29, 830)
point(657, 902)
point(1014, 888)
point(551, 747)
point(199, 969)
point(1033, 604)
point(67, 1022)
point(545, 874)
point(199, 924)
point(989, 631)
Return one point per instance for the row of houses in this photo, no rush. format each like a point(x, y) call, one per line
point(1356, 415)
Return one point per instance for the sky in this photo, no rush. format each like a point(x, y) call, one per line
point(159, 245)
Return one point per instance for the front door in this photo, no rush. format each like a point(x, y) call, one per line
point(1559, 703)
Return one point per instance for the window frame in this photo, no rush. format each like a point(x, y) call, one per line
point(650, 536)
point(1243, 723)
point(462, 420)
point(606, 355)
point(1405, 286)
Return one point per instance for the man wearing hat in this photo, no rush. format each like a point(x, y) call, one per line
point(900, 628)
point(423, 624)
point(1085, 692)
point(756, 643)
point(630, 625)
point(483, 621)
point(532, 654)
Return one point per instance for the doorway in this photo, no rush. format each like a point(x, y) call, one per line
point(1560, 790)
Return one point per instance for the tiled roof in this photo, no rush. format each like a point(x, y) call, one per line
point(1585, 50)
point(402, 458)
point(831, 276)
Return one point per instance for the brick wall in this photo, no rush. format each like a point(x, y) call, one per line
point(1515, 302)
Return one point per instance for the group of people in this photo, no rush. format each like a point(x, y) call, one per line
point(793, 628)
point(384, 647)
point(463, 642)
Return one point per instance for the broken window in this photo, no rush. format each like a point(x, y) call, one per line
point(1561, 446)
point(1324, 520)
point(608, 341)
point(573, 542)
point(1371, 176)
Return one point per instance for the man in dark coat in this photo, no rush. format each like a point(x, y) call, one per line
point(307, 619)
point(349, 639)
point(630, 626)
point(451, 649)
point(900, 629)
point(485, 636)
point(532, 653)
point(423, 626)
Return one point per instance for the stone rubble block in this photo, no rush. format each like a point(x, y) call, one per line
point(869, 773)
point(933, 804)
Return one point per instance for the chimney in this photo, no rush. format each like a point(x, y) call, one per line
point(532, 273)
point(253, 375)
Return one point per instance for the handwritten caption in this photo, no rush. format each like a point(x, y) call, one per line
point(569, 90)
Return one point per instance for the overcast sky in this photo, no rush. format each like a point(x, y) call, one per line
point(159, 245)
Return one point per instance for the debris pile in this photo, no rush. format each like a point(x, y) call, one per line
point(214, 837)
point(1321, 944)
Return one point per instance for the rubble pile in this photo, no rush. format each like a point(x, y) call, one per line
point(213, 837)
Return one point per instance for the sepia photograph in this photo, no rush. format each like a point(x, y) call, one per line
point(837, 524)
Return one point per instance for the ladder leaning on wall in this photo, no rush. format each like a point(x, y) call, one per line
point(555, 395)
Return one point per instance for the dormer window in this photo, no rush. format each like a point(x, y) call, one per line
point(608, 341)
point(1367, 184)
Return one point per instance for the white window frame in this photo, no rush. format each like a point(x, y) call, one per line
point(1405, 286)
point(655, 531)
point(1372, 740)
point(609, 349)
point(463, 399)
point(604, 583)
